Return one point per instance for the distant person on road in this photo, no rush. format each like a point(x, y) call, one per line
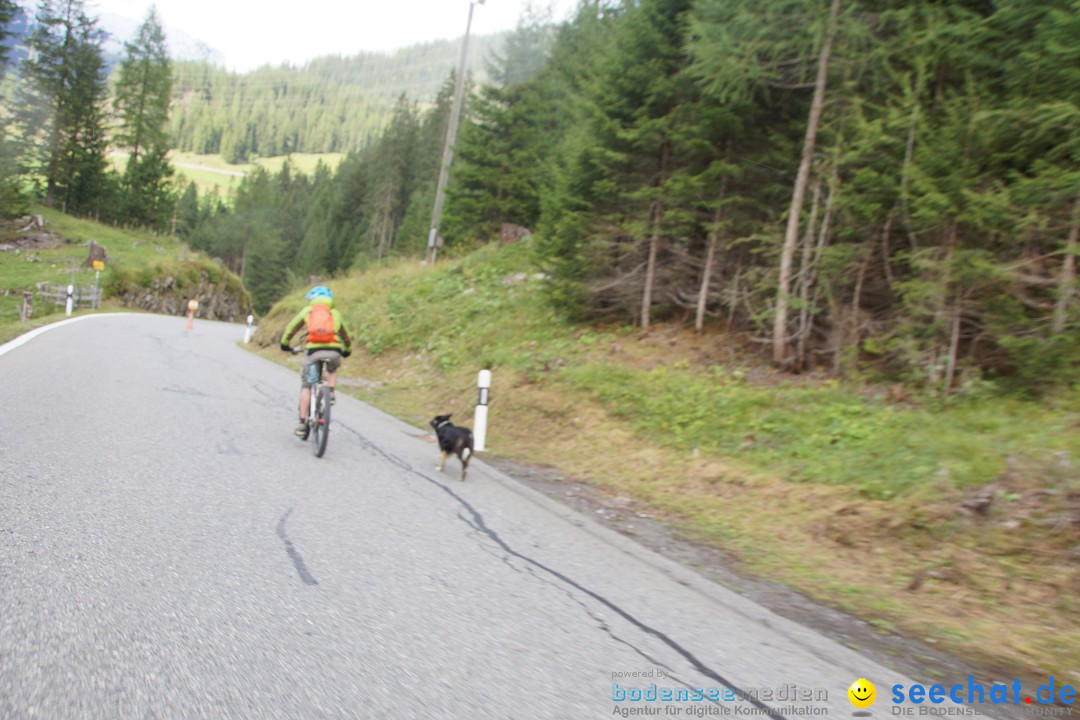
point(327, 339)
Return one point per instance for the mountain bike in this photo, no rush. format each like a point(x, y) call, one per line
point(318, 419)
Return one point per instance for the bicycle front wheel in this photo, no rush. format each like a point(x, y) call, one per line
point(321, 426)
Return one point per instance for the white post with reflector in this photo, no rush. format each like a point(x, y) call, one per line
point(483, 383)
point(70, 299)
point(247, 332)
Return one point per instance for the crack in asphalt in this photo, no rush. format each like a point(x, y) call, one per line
point(298, 561)
point(478, 523)
point(601, 623)
point(502, 557)
point(271, 400)
point(191, 392)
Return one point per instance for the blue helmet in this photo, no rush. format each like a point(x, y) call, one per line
point(319, 291)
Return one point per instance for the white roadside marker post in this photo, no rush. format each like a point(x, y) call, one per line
point(483, 382)
point(247, 331)
point(70, 298)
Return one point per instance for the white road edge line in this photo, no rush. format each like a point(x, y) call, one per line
point(28, 336)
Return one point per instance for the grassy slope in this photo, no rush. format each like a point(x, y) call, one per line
point(857, 500)
point(128, 250)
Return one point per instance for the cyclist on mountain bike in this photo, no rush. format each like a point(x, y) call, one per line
point(327, 339)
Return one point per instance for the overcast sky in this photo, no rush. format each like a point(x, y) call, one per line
point(251, 33)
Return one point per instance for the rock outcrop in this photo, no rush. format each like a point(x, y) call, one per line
point(224, 299)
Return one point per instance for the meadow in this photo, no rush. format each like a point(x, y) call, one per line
point(212, 174)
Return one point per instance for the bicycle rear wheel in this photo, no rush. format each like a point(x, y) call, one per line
point(321, 425)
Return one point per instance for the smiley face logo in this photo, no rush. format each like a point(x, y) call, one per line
point(862, 693)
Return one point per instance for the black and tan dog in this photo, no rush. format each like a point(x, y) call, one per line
point(453, 440)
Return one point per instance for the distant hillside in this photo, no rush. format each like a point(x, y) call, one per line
point(331, 104)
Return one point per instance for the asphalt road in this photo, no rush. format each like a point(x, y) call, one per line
point(169, 550)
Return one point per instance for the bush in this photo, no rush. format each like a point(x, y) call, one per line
point(1040, 365)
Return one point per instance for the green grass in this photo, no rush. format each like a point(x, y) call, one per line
point(211, 161)
point(208, 181)
point(303, 162)
point(456, 316)
point(832, 433)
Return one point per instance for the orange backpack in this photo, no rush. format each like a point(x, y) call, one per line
point(320, 325)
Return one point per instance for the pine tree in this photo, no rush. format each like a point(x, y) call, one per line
point(65, 74)
point(13, 200)
point(392, 167)
point(265, 274)
point(89, 186)
point(8, 8)
point(625, 165)
point(313, 254)
point(564, 239)
point(187, 212)
point(143, 93)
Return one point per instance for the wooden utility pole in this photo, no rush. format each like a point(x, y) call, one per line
point(448, 145)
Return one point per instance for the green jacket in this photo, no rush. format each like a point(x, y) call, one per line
point(341, 333)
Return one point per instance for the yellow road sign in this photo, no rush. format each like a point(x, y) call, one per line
point(98, 264)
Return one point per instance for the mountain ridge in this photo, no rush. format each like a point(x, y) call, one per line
point(119, 29)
